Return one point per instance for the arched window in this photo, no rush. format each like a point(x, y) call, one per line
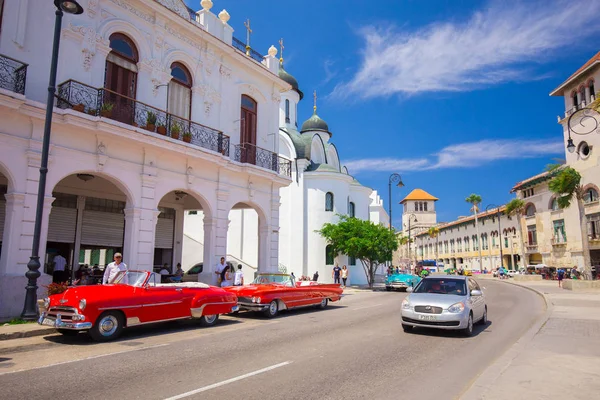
point(590, 195)
point(592, 90)
point(581, 96)
point(249, 109)
point(287, 111)
point(554, 204)
point(180, 91)
point(329, 256)
point(530, 210)
point(574, 96)
point(120, 77)
point(351, 210)
point(329, 201)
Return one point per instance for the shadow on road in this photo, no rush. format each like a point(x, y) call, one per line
point(288, 313)
point(455, 334)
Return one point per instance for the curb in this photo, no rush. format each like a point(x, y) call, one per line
point(481, 384)
point(26, 334)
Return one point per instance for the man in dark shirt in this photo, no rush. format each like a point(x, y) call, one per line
point(336, 274)
point(316, 276)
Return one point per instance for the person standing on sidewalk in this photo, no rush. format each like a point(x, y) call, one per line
point(218, 269)
point(344, 275)
point(58, 275)
point(113, 269)
point(238, 278)
point(561, 276)
point(335, 274)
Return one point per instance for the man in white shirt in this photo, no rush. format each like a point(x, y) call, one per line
point(238, 278)
point(113, 269)
point(218, 269)
point(59, 269)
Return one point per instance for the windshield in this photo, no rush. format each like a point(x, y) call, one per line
point(266, 279)
point(132, 278)
point(442, 286)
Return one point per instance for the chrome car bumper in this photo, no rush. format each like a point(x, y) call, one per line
point(397, 285)
point(58, 323)
point(252, 306)
point(445, 320)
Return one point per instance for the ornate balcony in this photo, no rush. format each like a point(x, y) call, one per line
point(559, 241)
point(250, 154)
point(531, 247)
point(108, 104)
point(241, 46)
point(13, 74)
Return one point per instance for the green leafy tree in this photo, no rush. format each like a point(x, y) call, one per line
point(434, 233)
point(516, 207)
point(370, 243)
point(566, 184)
point(475, 201)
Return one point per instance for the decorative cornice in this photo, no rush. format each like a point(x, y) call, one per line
point(176, 6)
point(126, 6)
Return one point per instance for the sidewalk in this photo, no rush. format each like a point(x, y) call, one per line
point(559, 358)
point(24, 330)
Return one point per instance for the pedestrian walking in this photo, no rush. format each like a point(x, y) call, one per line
point(238, 278)
point(561, 276)
point(316, 276)
point(226, 278)
point(112, 269)
point(335, 274)
point(218, 269)
point(58, 275)
point(344, 275)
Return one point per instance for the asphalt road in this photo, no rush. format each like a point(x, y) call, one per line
point(355, 349)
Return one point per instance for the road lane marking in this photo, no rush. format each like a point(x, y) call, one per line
point(362, 308)
point(228, 381)
point(84, 359)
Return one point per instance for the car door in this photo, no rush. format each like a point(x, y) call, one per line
point(161, 303)
point(475, 300)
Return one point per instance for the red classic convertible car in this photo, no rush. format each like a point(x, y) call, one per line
point(133, 298)
point(271, 293)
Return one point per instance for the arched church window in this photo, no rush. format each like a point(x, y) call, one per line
point(329, 256)
point(351, 210)
point(180, 91)
point(287, 111)
point(329, 201)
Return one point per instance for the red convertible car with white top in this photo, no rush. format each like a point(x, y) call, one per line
point(133, 298)
point(271, 293)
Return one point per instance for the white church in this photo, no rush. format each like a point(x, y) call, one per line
point(320, 190)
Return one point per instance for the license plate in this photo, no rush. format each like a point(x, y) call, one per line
point(235, 308)
point(427, 317)
point(48, 321)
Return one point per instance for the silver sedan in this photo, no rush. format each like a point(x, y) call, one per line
point(451, 303)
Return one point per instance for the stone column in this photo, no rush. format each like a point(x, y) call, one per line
point(11, 252)
point(131, 241)
point(209, 257)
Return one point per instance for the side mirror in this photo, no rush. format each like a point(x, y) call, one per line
point(409, 289)
point(476, 293)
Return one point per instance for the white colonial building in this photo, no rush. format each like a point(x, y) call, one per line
point(159, 110)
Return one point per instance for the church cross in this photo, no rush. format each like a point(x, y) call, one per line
point(281, 50)
point(248, 32)
point(315, 97)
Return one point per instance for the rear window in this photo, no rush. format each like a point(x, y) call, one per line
point(442, 286)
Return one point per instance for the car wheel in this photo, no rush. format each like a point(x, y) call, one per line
point(484, 320)
point(323, 303)
point(389, 289)
point(272, 310)
point(209, 320)
point(108, 326)
point(407, 328)
point(68, 332)
point(468, 331)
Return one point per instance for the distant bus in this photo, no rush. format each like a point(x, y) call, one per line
point(431, 265)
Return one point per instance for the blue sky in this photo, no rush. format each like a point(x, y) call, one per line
point(451, 94)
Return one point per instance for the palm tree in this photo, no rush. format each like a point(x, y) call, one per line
point(516, 207)
point(475, 201)
point(566, 183)
point(434, 232)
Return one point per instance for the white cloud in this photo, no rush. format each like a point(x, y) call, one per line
point(494, 45)
point(463, 155)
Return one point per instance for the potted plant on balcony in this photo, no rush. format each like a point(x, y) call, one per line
point(92, 111)
point(161, 128)
point(187, 136)
point(175, 130)
point(106, 109)
point(150, 121)
point(79, 107)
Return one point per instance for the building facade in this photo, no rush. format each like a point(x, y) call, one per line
point(159, 111)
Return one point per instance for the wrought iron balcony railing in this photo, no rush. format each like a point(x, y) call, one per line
point(13, 74)
point(248, 153)
point(109, 104)
point(241, 46)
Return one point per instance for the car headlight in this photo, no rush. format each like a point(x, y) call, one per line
point(406, 304)
point(82, 304)
point(47, 302)
point(256, 299)
point(457, 307)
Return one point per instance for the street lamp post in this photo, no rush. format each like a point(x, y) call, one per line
point(397, 179)
point(499, 230)
point(30, 311)
point(410, 216)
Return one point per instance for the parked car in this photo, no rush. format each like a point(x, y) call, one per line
point(452, 303)
point(272, 293)
point(191, 275)
point(133, 298)
point(401, 281)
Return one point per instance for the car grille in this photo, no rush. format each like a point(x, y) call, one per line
point(66, 313)
point(428, 309)
point(244, 299)
point(433, 323)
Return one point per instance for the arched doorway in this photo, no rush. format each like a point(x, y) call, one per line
point(246, 239)
point(86, 223)
point(172, 244)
